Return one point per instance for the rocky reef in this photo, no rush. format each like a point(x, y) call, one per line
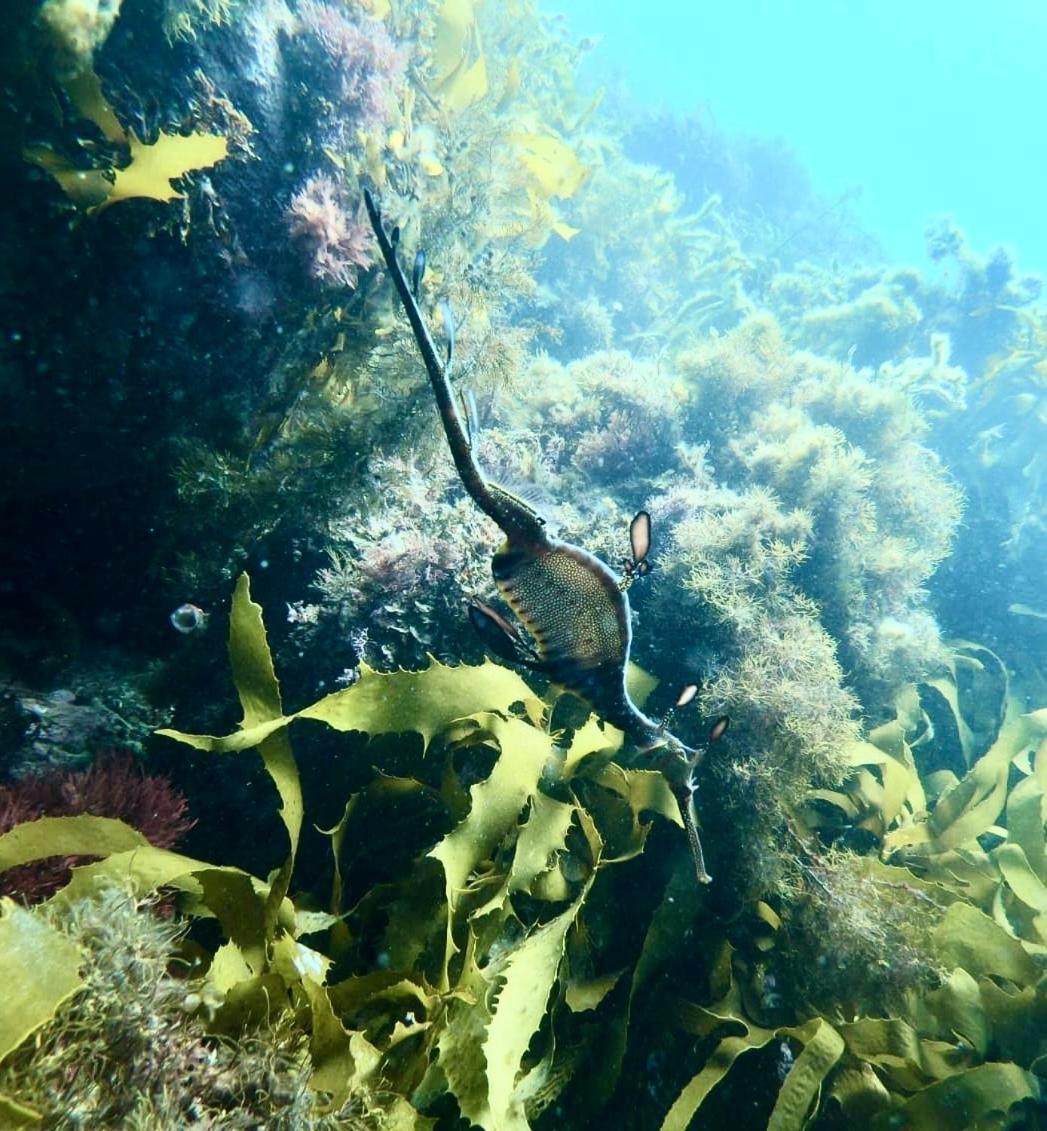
point(413, 887)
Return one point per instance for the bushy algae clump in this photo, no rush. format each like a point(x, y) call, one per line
point(130, 1047)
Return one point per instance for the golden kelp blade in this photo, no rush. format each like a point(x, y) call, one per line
point(154, 167)
point(552, 164)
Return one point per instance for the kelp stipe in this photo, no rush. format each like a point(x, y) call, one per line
point(572, 605)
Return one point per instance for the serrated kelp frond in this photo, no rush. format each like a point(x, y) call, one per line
point(507, 978)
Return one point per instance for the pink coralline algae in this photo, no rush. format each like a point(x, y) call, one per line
point(334, 241)
point(356, 61)
point(114, 786)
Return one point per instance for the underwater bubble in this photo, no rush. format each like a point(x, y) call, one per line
point(188, 618)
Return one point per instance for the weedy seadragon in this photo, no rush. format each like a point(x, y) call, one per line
point(574, 608)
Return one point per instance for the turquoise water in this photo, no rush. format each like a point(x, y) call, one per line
point(931, 108)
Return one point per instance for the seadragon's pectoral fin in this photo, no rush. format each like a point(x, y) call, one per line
point(500, 636)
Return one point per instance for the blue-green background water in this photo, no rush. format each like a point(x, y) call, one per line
point(931, 108)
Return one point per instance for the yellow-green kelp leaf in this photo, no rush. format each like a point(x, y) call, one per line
point(143, 870)
point(259, 694)
point(496, 806)
point(295, 962)
point(644, 791)
point(228, 968)
point(83, 835)
point(342, 1061)
point(1026, 815)
point(859, 1093)
point(824, 1047)
point(887, 749)
point(496, 802)
point(234, 897)
point(1019, 876)
point(962, 1100)
point(459, 64)
point(968, 938)
point(906, 1059)
point(528, 979)
point(460, 1044)
point(640, 684)
point(455, 28)
point(947, 689)
point(589, 739)
point(393, 703)
point(152, 169)
point(252, 664)
point(240, 909)
point(39, 969)
point(467, 85)
point(973, 805)
point(552, 165)
point(155, 165)
point(587, 994)
point(86, 188)
point(801, 1086)
point(1017, 1023)
point(426, 701)
point(957, 1006)
point(542, 835)
point(85, 92)
point(720, 1062)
